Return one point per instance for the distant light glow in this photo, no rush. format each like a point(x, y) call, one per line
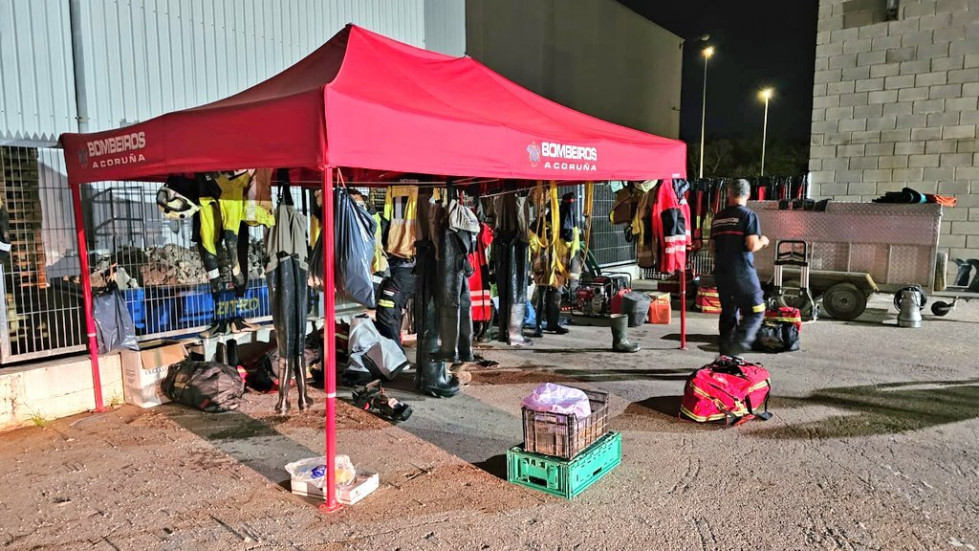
point(708, 52)
point(766, 93)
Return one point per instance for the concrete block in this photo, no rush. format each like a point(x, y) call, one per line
point(899, 55)
point(862, 188)
point(822, 151)
point(826, 101)
point(836, 164)
point(878, 149)
point(895, 28)
point(962, 76)
point(822, 176)
point(862, 45)
point(885, 43)
point(827, 76)
point(971, 242)
point(969, 117)
point(969, 17)
point(822, 37)
point(954, 214)
point(909, 148)
point(818, 90)
point(821, 64)
point(938, 174)
point(882, 123)
point(908, 174)
point(836, 138)
point(947, 118)
point(845, 35)
point(842, 61)
point(891, 109)
point(961, 104)
point(945, 91)
point(837, 88)
point(913, 39)
point(956, 159)
point(871, 58)
point(837, 113)
point(893, 161)
point(929, 106)
point(933, 22)
point(832, 189)
point(931, 51)
point(868, 111)
point(953, 33)
point(953, 188)
point(854, 99)
point(964, 47)
point(923, 161)
point(902, 81)
point(885, 70)
point(970, 89)
point(865, 137)
point(925, 134)
point(947, 6)
point(863, 163)
point(912, 94)
point(818, 115)
point(853, 150)
point(972, 214)
point(945, 228)
point(853, 125)
point(875, 30)
point(971, 60)
point(968, 146)
point(931, 79)
point(962, 131)
point(968, 173)
point(882, 96)
point(917, 9)
point(847, 176)
point(947, 63)
point(915, 67)
point(967, 228)
point(970, 200)
point(898, 135)
point(816, 139)
point(956, 242)
point(885, 187)
point(911, 121)
point(815, 164)
point(856, 73)
point(869, 84)
point(823, 127)
point(830, 49)
point(940, 146)
point(879, 175)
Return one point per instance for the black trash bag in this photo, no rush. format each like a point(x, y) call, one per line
point(114, 326)
point(776, 338)
point(354, 230)
point(208, 386)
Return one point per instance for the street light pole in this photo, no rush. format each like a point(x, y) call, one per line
point(766, 95)
point(708, 52)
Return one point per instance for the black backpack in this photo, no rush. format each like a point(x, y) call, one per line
point(208, 386)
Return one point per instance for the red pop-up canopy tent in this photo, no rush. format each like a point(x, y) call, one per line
point(366, 101)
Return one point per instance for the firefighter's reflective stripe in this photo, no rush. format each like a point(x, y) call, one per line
point(481, 299)
point(384, 303)
point(758, 308)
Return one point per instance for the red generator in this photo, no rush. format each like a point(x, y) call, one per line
point(598, 295)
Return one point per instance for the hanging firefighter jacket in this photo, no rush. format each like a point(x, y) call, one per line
point(552, 256)
point(479, 284)
point(401, 211)
point(642, 227)
point(670, 220)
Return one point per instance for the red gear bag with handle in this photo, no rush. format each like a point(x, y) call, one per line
point(729, 390)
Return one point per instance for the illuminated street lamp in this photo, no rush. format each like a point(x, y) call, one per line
point(765, 94)
point(707, 53)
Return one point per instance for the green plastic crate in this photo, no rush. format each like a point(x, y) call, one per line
point(562, 477)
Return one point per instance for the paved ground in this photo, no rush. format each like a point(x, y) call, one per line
point(873, 446)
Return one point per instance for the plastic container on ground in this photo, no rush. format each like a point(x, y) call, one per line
point(565, 478)
point(564, 436)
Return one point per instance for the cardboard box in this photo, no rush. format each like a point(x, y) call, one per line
point(143, 371)
point(361, 488)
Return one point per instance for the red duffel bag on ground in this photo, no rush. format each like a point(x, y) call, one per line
point(729, 390)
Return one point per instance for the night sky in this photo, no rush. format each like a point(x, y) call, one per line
point(758, 43)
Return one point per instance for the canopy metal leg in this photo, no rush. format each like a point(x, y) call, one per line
point(93, 345)
point(329, 340)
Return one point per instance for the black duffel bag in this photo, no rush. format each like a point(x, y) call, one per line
point(208, 386)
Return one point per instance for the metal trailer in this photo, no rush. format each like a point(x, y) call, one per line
point(858, 249)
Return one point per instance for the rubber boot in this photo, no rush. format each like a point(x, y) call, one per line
point(965, 270)
point(299, 366)
point(539, 303)
point(465, 343)
point(974, 287)
point(552, 306)
point(434, 379)
point(285, 374)
point(515, 327)
point(448, 334)
point(620, 342)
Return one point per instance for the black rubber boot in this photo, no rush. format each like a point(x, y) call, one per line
point(974, 287)
point(285, 374)
point(433, 378)
point(465, 346)
point(304, 401)
point(552, 307)
point(965, 271)
point(515, 327)
point(448, 334)
point(620, 342)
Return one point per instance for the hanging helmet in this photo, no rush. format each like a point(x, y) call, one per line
point(175, 206)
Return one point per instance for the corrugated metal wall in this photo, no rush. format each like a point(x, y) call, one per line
point(445, 26)
point(147, 57)
point(37, 91)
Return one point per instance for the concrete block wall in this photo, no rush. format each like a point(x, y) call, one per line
point(896, 103)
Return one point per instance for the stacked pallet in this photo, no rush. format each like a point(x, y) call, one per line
point(562, 454)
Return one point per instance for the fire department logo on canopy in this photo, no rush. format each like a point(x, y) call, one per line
point(533, 151)
point(82, 157)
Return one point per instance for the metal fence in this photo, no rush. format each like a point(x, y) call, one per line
point(608, 242)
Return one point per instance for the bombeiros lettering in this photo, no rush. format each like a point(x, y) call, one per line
point(117, 144)
point(569, 152)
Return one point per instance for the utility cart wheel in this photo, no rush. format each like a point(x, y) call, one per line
point(942, 308)
point(795, 300)
point(844, 301)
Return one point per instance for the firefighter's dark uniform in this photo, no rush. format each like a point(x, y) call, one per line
point(393, 297)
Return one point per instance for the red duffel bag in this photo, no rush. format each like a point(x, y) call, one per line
point(729, 390)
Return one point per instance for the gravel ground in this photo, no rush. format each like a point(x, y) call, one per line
point(873, 445)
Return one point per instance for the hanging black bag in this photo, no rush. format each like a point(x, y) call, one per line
point(114, 325)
